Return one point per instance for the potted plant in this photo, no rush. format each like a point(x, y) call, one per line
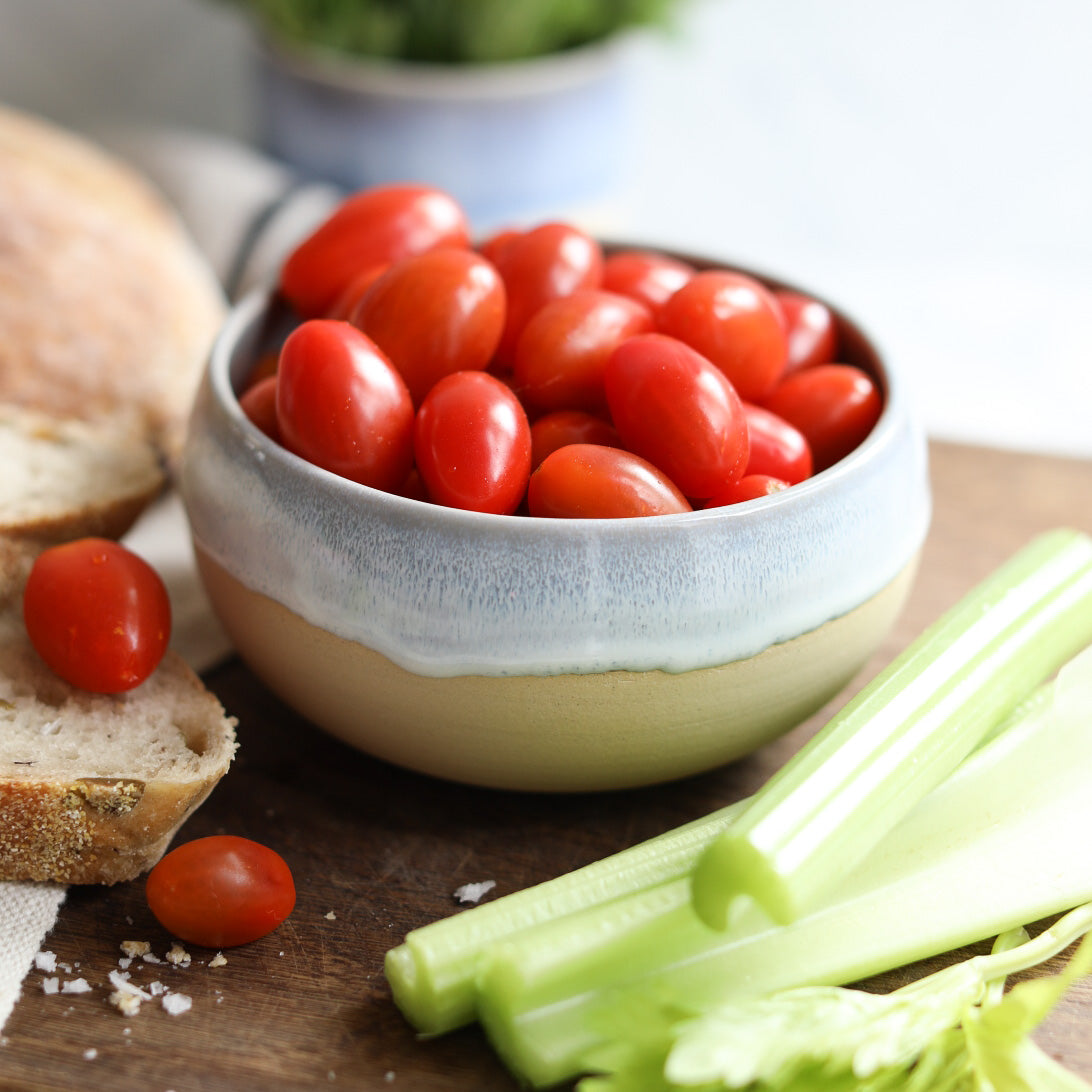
point(519, 108)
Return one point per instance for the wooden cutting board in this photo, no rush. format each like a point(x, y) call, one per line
point(377, 851)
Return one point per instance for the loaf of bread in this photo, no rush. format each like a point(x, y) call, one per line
point(93, 787)
point(62, 478)
point(107, 309)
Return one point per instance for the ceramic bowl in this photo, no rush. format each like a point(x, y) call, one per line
point(546, 655)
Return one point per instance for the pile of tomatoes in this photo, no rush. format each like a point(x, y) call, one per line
point(537, 374)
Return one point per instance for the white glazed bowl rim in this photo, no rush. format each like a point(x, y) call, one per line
point(445, 592)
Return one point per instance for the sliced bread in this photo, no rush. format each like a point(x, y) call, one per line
point(62, 478)
point(93, 787)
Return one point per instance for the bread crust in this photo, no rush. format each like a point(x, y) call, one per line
point(108, 310)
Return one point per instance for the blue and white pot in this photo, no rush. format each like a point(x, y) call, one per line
point(514, 142)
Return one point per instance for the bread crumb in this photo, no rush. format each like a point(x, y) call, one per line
point(90, 1054)
point(178, 955)
point(51, 985)
point(218, 960)
point(128, 1004)
point(176, 1003)
point(331, 916)
point(76, 985)
point(45, 961)
point(471, 893)
point(120, 981)
point(134, 948)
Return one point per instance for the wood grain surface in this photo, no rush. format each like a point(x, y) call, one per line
point(377, 851)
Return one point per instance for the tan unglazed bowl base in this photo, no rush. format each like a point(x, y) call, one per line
point(555, 733)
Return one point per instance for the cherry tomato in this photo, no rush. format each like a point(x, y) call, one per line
point(777, 448)
point(264, 367)
point(342, 406)
point(97, 614)
point(221, 891)
point(563, 427)
point(563, 350)
point(732, 320)
point(492, 246)
point(834, 405)
point(645, 275)
point(587, 481)
point(811, 329)
point(473, 444)
point(351, 295)
point(433, 314)
point(539, 265)
point(674, 408)
point(749, 487)
point(259, 403)
point(374, 226)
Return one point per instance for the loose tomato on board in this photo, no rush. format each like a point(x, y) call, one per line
point(749, 487)
point(834, 405)
point(734, 321)
point(811, 328)
point(776, 448)
point(473, 444)
point(221, 891)
point(563, 427)
point(674, 408)
point(98, 614)
point(647, 276)
point(374, 226)
point(433, 314)
point(539, 265)
point(342, 406)
point(563, 350)
point(586, 481)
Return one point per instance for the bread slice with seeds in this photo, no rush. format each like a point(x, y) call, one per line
point(93, 787)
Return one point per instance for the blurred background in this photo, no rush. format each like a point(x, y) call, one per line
point(922, 163)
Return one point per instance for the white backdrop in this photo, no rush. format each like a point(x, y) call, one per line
point(924, 163)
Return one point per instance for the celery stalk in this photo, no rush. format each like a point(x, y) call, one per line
point(902, 735)
point(431, 974)
point(998, 844)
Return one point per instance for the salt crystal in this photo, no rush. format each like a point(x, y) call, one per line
point(50, 985)
point(76, 985)
point(90, 1054)
point(176, 1003)
point(471, 893)
point(45, 961)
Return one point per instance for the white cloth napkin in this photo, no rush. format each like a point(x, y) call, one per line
point(245, 212)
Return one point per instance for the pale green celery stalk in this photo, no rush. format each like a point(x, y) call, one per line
point(902, 735)
point(431, 974)
point(1001, 842)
